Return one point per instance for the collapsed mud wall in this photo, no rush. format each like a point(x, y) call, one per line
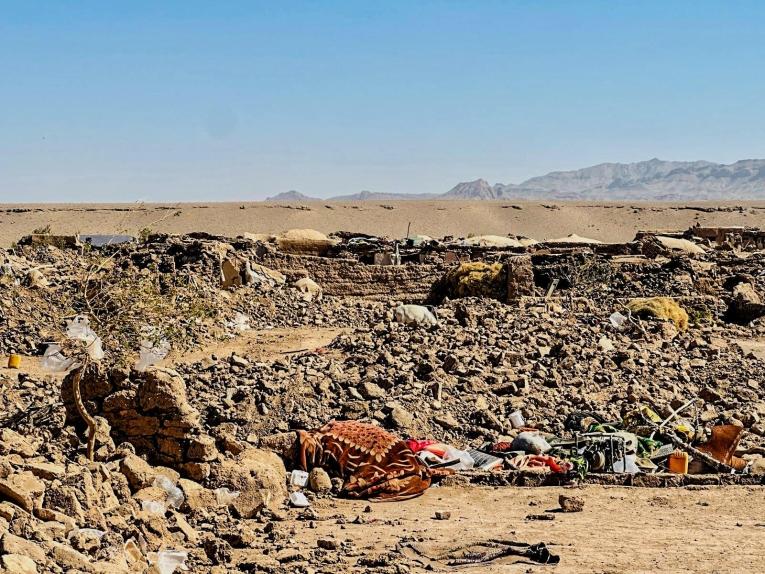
point(148, 410)
point(350, 278)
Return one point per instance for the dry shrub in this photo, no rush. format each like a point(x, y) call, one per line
point(662, 308)
point(475, 279)
point(126, 305)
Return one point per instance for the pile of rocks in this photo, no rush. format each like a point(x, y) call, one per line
point(460, 382)
point(177, 465)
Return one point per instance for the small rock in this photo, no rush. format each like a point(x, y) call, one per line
point(371, 391)
point(319, 481)
point(18, 564)
point(571, 503)
point(443, 515)
point(447, 421)
point(401, 418)
point(327, 544)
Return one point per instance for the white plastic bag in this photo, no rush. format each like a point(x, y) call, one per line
point(299, 478)
point(151, 353)
point(298, 500)
point(241, 322)
point(53, 360)
point(153, 507)
point(79, 329)
point(617, 320)
point(166, 561)
point(466, 461)
point(174, 494)
point(627, 465)
point(530, 442)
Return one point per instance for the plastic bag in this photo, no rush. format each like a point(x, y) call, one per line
point(153, 507)
point(224, 496)
point(53, 360)
point(298, 478)
point(151, 353)
point(617, 320)
point(298, 500)
point(627, 465)
point(466, 461)
point(166, 561)
point(530, 442)
point(79, 329)
point(241, 322)
point(174, 494)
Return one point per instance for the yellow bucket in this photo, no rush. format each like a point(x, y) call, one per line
point(14, 361)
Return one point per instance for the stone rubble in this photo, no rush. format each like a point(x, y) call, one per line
point(194, 429)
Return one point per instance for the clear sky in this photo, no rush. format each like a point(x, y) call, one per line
point(233, 100)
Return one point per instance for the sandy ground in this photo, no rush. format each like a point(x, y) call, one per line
point(262, 345)
point(620, 530)
point(607, 222)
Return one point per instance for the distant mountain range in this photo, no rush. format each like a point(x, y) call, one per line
point(654, 180)
point(296, 196)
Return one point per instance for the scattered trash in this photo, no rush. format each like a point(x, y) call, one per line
point(54, 361)
point(167, 561)
point(485, 461)
point(415, 315)
point(531, 442)
point(299, 478)
point(225, 496)
point(516, 419)
point(153, 507)
point(678, 462)
point(151, 352)
point(14, 361)
point(298, 500)
point(617, 320)
point(239, 323)
point(79, 329)
point(174, 494)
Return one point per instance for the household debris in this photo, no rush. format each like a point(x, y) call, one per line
point(181, 474)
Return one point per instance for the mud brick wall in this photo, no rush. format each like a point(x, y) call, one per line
point(148, 410)
point(348, 277)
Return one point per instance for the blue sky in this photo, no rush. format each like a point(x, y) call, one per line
point(190, 100)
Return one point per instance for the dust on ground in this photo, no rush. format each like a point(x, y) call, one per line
point(708, 529)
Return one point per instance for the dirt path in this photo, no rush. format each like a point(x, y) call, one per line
point(263, 345)
point(620, 529)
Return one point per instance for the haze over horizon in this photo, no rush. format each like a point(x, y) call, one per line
point(193, 101)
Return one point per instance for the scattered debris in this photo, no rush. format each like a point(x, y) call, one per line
point(552, 363)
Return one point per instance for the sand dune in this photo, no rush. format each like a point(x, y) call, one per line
point(540, 220)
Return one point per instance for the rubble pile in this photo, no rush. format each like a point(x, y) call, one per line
point(461, 381)
point(189, 277)
point(180, 476)
point(150, 411)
